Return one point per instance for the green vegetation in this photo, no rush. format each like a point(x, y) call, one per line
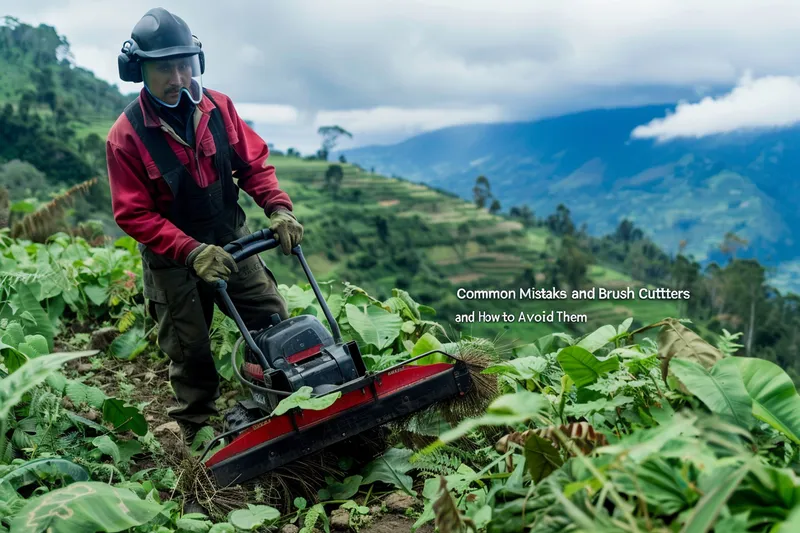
point(609, 431)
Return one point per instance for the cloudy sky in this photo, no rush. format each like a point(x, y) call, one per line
point(386, 70)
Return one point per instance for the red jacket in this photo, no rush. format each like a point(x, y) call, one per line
point(140, 198)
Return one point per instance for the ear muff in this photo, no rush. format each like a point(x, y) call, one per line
point(129, 67)
point(201, 55)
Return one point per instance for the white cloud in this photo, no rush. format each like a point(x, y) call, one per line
point(755, 103)
point(382, 119)
point(388, 62)
point(267, 114)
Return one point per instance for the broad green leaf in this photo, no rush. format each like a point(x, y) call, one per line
point(77, 419)
point(222, 528)
point(300, 503)
point(108, 447)
point(775, 398)
point(190, 524)
point(505, 410)
point(522, 368)
point(82, 507)
point(205, 434)
point(129, 344)
point(14, 335)
point(583, 367)
point(597, 339)
point(766, 494)
point(124, 417)
point(302, 399)
point(13, 358)
point(128, 243)
point(335, 303)
point(412, 306)
point(97, 295)
point(645, 443)
point(661, 484)
point(376, 326)
point(38, 469)
point(30, 375)
point(397, 306)
point(391, 468)
point(527, 350)
point(253, 517)
point(426, 343)
point(34, 346)
point(297, 298)
point(43, 325)
point(128, 449)
point(792, 523)
point(426, 310)
point(346, 489)
point(541, 457)
point(58, 382)
point(706, 511)
point(721, 389)
point(733, 524)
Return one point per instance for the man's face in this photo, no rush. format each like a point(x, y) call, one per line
point(166, 77)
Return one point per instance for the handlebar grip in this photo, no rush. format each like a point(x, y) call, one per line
point(240, 254)
point(252, 244)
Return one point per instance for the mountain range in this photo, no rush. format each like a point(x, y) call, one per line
point(685, 194)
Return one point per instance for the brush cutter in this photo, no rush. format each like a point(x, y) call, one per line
point(300, 351)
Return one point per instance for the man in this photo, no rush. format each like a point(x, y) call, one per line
point(172, 156)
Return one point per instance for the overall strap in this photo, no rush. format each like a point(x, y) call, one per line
point(157, 146)
point(222, 159)
point(226, 158)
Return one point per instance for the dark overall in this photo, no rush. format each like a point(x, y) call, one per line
point(183, 304)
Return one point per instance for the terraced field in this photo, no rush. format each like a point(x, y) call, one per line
point(494, 254)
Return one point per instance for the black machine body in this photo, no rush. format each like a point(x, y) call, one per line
point(292, 353)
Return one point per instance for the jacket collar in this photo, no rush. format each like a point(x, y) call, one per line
point(152, 120)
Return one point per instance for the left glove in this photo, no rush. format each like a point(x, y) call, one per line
point(211, 263)
point(288, 230)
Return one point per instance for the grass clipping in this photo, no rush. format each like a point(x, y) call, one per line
point(418, 430)
point(196, 484)
point(302, 477)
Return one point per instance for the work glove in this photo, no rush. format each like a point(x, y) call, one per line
point(211, 263)
point(288, 231)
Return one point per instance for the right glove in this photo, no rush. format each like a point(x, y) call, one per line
point(288, 230)
point(211, 263)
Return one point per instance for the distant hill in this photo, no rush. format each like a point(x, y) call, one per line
point(379, 233)
point(37, 68)
point(686, 191)
point(53, 114)
point(54, 118)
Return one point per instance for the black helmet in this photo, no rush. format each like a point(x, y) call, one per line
point(158, 34)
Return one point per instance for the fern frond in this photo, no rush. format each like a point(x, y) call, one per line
point(126, 321)
point(438, 462)
point(47, 220)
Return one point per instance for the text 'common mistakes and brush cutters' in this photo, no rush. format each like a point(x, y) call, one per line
point(300, 351)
